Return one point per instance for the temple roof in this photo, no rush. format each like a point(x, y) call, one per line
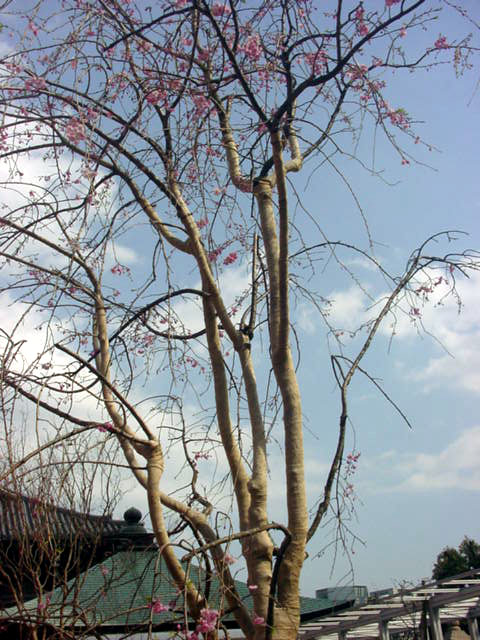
point(117, 594)
point(21, 515)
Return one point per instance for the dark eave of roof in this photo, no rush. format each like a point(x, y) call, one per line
point(22, 516)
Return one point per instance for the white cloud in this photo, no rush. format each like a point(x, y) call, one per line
point(454, 467)
point(458, 362)
point(449, 321)
point(307, 318)
point(122, 254)
point(362, 263)
point(6, 49)
point(349, 308)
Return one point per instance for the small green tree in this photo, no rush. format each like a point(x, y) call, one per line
point(470, 550)
point(451, 561)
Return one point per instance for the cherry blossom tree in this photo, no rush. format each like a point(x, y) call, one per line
point(176, 131)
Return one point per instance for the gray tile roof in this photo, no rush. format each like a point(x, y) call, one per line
point(23, 516)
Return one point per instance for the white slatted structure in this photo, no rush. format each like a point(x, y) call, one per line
point(421, 610)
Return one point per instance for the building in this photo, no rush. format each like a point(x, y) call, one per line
point(127, 592)
point(337, 595)
point(40, 541)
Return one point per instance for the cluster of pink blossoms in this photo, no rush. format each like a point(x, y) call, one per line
point(252, 47)
point(399, 118)
point(352, 460)
point(390, 3)
point(441, 42)
point(229, 559)
point(40, 276)
point(157, 606)
point(106, 426)
point(220, 10)
point(143, 46)
point(75, 130)
point(316, 61)
point(33, 28)
point(348, 490)
point(202, 105)
point(357, 72)
point(361, 26)
point(119, 270)
point(231, 258)
point(154, 97)
point(208, 621)
point(425, 289)
point(213, 255)
point(192, 362)
point(201, 455)
point(35, 83)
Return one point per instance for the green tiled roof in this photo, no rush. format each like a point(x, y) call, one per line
point(117, 593)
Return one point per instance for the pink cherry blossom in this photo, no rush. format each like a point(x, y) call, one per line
point(258, 620)
point(229, 559)
point(357, 72)
point(252, 48)
point(41, 606)
point(362, 29)
point(119, 270)
point(316, 61)
point(213, 255)
point(33, 28)
point(154, 97)
point(219, 10)
point(35, 83)
point(201, 103)
point(208, 620)
point(390, 3)
point(359, 13)
point(104, 570)
point(441, 42)
point(158, 607)
point(106, 426)
point(230, 259)
point(75, 130)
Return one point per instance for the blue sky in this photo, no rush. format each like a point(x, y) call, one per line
point(416, 489)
